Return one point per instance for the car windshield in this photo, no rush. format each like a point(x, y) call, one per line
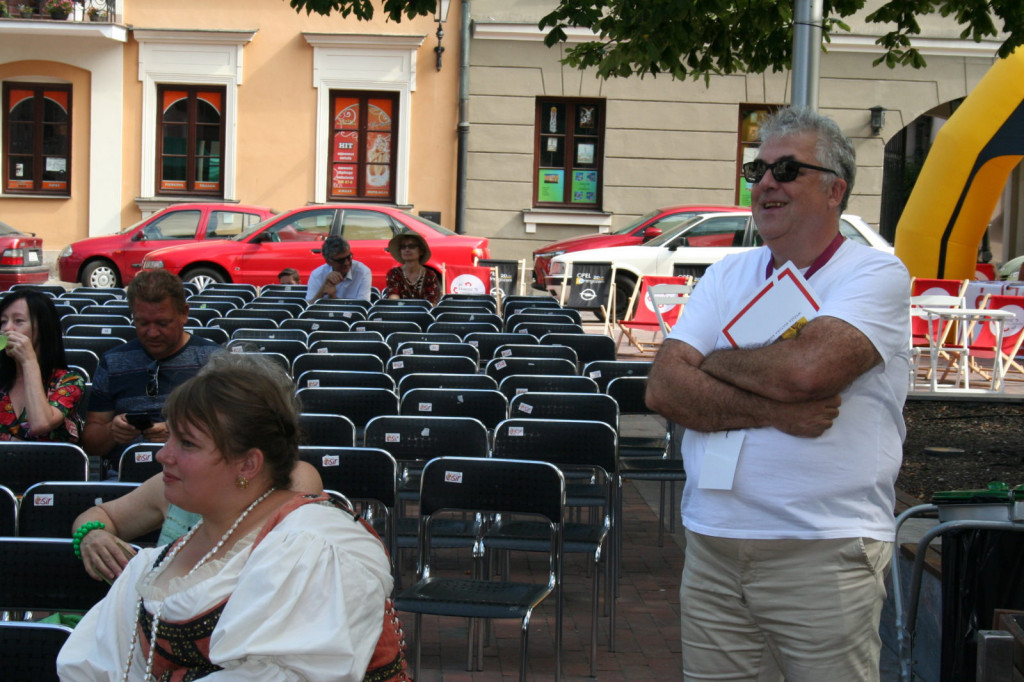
point(636, 223)
point(674, 232)
point(428, 223)
point(252, 228)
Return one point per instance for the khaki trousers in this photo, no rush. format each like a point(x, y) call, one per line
point(805, 610)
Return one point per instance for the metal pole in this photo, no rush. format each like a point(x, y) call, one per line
point(808, 16)
point(461, 168)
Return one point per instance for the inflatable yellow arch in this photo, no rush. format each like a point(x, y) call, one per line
point(963, 176)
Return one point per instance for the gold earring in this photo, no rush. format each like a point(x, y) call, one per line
point(242, 482)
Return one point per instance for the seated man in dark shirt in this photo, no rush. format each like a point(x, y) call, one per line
point(136, 378)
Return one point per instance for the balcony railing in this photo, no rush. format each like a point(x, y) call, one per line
point(83, 10)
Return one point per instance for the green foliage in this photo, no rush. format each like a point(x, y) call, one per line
point(701, 38)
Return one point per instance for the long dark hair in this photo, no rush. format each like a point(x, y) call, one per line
point(49, 336)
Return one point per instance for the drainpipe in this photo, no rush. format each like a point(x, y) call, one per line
point(463, 129)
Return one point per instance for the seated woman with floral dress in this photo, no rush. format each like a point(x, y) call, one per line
point(39, 395)
point(413, 278)
point(270, 585)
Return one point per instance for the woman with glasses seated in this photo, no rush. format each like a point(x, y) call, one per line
point(412, 278)
point(271, 584)
point(39, 395)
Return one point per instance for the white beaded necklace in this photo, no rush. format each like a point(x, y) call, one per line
point(167, 560)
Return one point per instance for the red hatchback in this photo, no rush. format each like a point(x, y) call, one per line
point(293, 240)
point(639, 231)
point(21, 258)
point(113, 260)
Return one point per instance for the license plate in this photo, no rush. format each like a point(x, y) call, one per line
point(34, 258)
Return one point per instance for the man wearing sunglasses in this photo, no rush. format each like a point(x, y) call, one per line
point(339, 276)
point(133, 380)
point(785, 560)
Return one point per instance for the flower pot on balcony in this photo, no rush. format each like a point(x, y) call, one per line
point(58, 14)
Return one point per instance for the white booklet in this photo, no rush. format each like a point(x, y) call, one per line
point(778, 310)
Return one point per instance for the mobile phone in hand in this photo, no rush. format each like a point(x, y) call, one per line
point(140, 420)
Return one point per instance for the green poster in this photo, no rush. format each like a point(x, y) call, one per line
point(584, 187)
point(551, 186)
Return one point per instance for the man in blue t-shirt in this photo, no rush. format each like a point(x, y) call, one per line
point(136, 378)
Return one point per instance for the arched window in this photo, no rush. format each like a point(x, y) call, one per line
point(37, 138)
point(190, 140)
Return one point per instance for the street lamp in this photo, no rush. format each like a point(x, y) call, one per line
point(440, 16)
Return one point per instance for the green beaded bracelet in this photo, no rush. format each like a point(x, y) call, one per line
point(83, 530)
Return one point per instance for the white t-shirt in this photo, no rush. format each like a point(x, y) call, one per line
point(840, 484)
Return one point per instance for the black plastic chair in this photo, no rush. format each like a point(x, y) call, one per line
point(588, 347)
point(400, 365)
point(535, 350)
point(541, 328)
point(49, 509)
point(347, 335)
point(23, 463)
point(203, 315)
point(458, 316)
point(499, 368)
point(462, 329)
point(439, 348)
point(271, 334)
point(571, 313)
point(333, 302)
point(396, 339)
point(562, 405)
point(43, 574)
point(247, 292)
point(513, 304)
point(216, 334)
point(8, 512)
point(556, 315)
point(387, 327)
point(342, 313)
point(472, 485)
point(603, 371)
point(440, 380)
point(312, 324)
point(420, 316)
point(81, 357)
point(97, 344)
point(125, 332)
point(278, 315)
point(101, 294)
point(314, 378)
point(327, 430)
point(402, 303)
point(295, 307)
point(515, 384)
point(289, 348)
point(489, 406)
point(230, 324)
point(138, 463)
point(110, 319)
point(29, 650)
point(219, 303)
point(342, 345)
point(358, 404)
point(488, 342)
point(51, 289)
point(350, 362)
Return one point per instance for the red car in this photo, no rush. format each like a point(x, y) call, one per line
point(113, 260)
point(21, 258)
point(641, 230)
point(293, 240)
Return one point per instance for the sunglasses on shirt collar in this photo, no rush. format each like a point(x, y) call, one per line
point(783, 170)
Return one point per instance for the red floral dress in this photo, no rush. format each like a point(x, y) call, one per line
point(427, 286)
point(64, 392)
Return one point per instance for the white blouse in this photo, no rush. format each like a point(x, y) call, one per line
point(306, 604)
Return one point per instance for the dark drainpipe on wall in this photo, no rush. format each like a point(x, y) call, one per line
point(463, 130)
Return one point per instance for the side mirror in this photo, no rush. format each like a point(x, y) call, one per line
point(676, 243)
point(260, 238)
point(652, 232)
point(139, 236)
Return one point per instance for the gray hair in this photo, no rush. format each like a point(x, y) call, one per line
point(833, 149)
point(334, 245)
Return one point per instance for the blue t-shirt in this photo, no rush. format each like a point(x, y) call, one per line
point(119, 384)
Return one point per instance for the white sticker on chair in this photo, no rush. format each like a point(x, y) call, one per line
point(106, 330)
point(237, 349)
point(322, 350)
point(312, 383)
point(314, 326)
point(392, 438)
point(407, 351)
point(42, 500)
point(525, 407)
point(500, 364)
point(145, 456)
point(330, 460)
point(434, 347)
point(425, 407)
point(505, 353)
point(397, 364)
point(425, 432)
point(596, 374)
point(453, 477)
point(516, 431)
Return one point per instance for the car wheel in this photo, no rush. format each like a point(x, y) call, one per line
point(100, 274)
point(624, 284)
point(202, 277)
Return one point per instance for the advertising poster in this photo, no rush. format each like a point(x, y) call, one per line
point(346, 112)
point(584, 187)
point(343, 183)
point(551, 185)
point(346, 147)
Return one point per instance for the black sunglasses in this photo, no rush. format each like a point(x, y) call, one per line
point(153, 385)
point(342, 259)
point(783, 170)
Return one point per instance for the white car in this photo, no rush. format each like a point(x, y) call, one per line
point(688, 249)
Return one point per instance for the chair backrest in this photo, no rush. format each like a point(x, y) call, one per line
point(290, 348)
point(341, 345)
point(514, 384)
point(292, 306)
point(536, 350)
point(82, 357)
point(358, 473)
point(230, 324)
point(489, 406)
point(578, 406)
point(666, 301)
point(419, 438)
point(245, 291)
point(109, 319)
point(138, 463)
point(386, 327)
point(588, 285)
point(400, 365)
point(402, 303)
point(492, 485)
point(327, 429)
point(358, 404)
point(554, 315)
point(949, 287)
point(628, 392)
point(125, 332)
point(49, 509)
point(420, 316)
point(488, 342)
point(354, 362)
point(29, 650)
point(8, 512)
point(562, 442)
point(311, 324)
point(1013, 329)
point(588, 347)
point(340, 313)
point(313, 378)
point(513, 304)
point(499, 368)
point(468, 316)
point(340, 302)
point(603, 371)
point(278, 315)
point(462, 329)
point(44, 574)
point(215, 334)
point(922, 327)
point(396, 339)
point(221, 304)
point(271, 334)
point(97, 344)
point(439, 348)
point(540, 329)
point(23, 463)
point(349, 335)
point(441, 380)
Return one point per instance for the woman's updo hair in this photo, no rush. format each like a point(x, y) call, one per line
point(243, 401)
